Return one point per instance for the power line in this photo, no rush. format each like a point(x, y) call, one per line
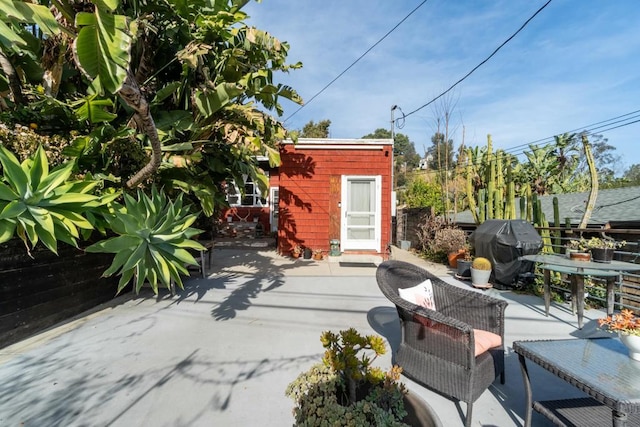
point(481, 63)
point(520, 149)
point(356, 61)
point(594, 126)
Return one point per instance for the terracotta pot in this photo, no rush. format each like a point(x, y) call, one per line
point(318, 257)
point(580, 256)
point(454, 257)
point(295, 254)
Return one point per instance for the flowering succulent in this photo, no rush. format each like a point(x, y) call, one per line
point(579, 245)
point(626, 322)
point(346, 390)
point(584, 245)
point(598, 243)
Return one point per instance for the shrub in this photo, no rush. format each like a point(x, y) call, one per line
point(447, 240)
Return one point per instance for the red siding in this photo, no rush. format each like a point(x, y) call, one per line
point(307, 214)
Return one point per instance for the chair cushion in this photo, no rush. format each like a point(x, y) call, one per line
point(485, 340)
point(421, 294)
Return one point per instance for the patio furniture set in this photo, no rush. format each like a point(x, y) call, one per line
point(449, 348)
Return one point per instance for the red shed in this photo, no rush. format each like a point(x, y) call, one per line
point(335, 189)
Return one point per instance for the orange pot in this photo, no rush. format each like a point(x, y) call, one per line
point(454, 257)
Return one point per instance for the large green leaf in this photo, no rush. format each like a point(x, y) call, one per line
point(13, 209)
point(114, 244)
point(9, 38)
point(39, 15)
point(7, 229)
point(209, 102)
point(13, 172)
point(93, 110)
point(103, 47)
point(6, 193)
point(39, 167)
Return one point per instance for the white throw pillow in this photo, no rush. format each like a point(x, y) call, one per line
point(421, 294)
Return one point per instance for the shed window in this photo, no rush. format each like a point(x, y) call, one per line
point(250, 197)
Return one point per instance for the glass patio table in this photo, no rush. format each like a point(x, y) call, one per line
point(576, 271)
point(600, 367)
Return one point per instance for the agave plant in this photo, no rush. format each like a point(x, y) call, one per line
point(42, 205)
point(154, 235)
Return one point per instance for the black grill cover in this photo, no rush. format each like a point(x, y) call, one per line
point(502, 242)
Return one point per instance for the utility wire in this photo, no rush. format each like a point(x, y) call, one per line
point(356, 61)
point(593, 127)
point(481, 63)
point(520, 150)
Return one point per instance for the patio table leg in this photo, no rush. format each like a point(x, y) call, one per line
point(547, 291)
point(527, 391)
point(574, 293)
point(611, 300)
point(577, 281)
point(619, 419)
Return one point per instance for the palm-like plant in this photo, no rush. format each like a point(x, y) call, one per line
point(42, 205)
point(154, 236)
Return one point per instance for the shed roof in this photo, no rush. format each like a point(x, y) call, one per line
point(617, 205)
point(339, 144)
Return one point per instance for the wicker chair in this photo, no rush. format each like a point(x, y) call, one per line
point(437, 348)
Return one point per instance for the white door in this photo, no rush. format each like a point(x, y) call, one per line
point(361, 206)
point(274, 207)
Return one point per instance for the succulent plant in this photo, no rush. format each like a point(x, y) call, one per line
point(481, 263)
point(346, 390)
point(153, 242)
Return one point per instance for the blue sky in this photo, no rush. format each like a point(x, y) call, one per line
point(577, 63)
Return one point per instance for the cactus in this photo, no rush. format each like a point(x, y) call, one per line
point(557, 241)
point(481, 263)
point(470, 193)
point(491, 186)
point(494, 197)
point(481, 205)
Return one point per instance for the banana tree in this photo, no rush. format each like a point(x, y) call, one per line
point(206, 70)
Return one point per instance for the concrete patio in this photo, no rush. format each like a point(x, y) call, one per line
point(221, 352)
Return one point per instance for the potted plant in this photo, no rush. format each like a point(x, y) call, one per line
point(317, 254)
point(627, 325)
point(306, 253)
point(480, 272)
point(464, 263)
point(578, 249)
point(296, 251)
point(602, 249)
point(347, 390)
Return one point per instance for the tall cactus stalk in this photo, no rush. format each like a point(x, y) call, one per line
point(529, 199)
point(491, 187)
point(557, 241)
point(511, 196)
point(471, 196)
